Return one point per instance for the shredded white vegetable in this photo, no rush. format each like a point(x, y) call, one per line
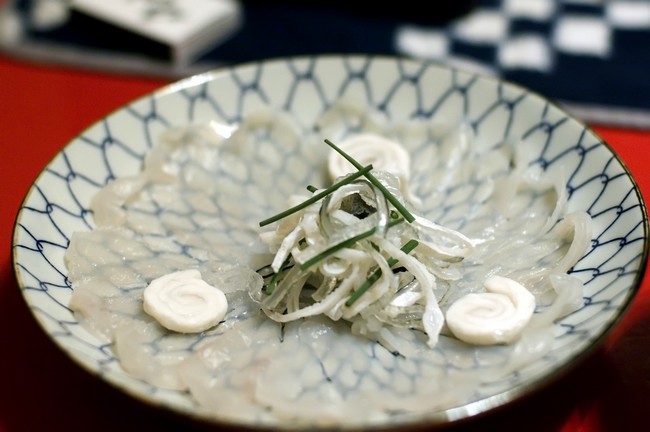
point(305, 267)
point(351, 255)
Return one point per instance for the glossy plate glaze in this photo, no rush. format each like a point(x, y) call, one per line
point(58, 203)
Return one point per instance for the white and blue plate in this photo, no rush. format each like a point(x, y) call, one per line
point(401, 89)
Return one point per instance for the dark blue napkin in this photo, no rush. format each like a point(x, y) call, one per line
point(590, 56)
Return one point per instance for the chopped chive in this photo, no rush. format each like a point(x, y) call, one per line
point(389, 196)
point(347, 243)
point(311, 188)
point(286, 265)
point(274, 282)
point(374, 277)
point(363, 171)
point(337, 247)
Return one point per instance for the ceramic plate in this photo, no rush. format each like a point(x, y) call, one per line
point(397, 91)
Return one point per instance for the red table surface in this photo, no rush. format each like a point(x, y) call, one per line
point(41, 389)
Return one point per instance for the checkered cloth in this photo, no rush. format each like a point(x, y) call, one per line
point(590, 56)
point(593, 56)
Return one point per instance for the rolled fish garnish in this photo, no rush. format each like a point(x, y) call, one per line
point(371, 149)
point(497, 316)
point(183, 302)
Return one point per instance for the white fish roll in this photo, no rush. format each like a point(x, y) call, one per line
point(369, 148)
point(185, 303)
point(493, 317)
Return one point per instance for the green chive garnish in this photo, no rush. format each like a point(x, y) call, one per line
point(311, 188)
point(274, 282)
point(363, 171)
point(374, 277)
point(389, 196)
point(347, 243)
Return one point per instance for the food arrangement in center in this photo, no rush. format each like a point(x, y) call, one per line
point(348, 278)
